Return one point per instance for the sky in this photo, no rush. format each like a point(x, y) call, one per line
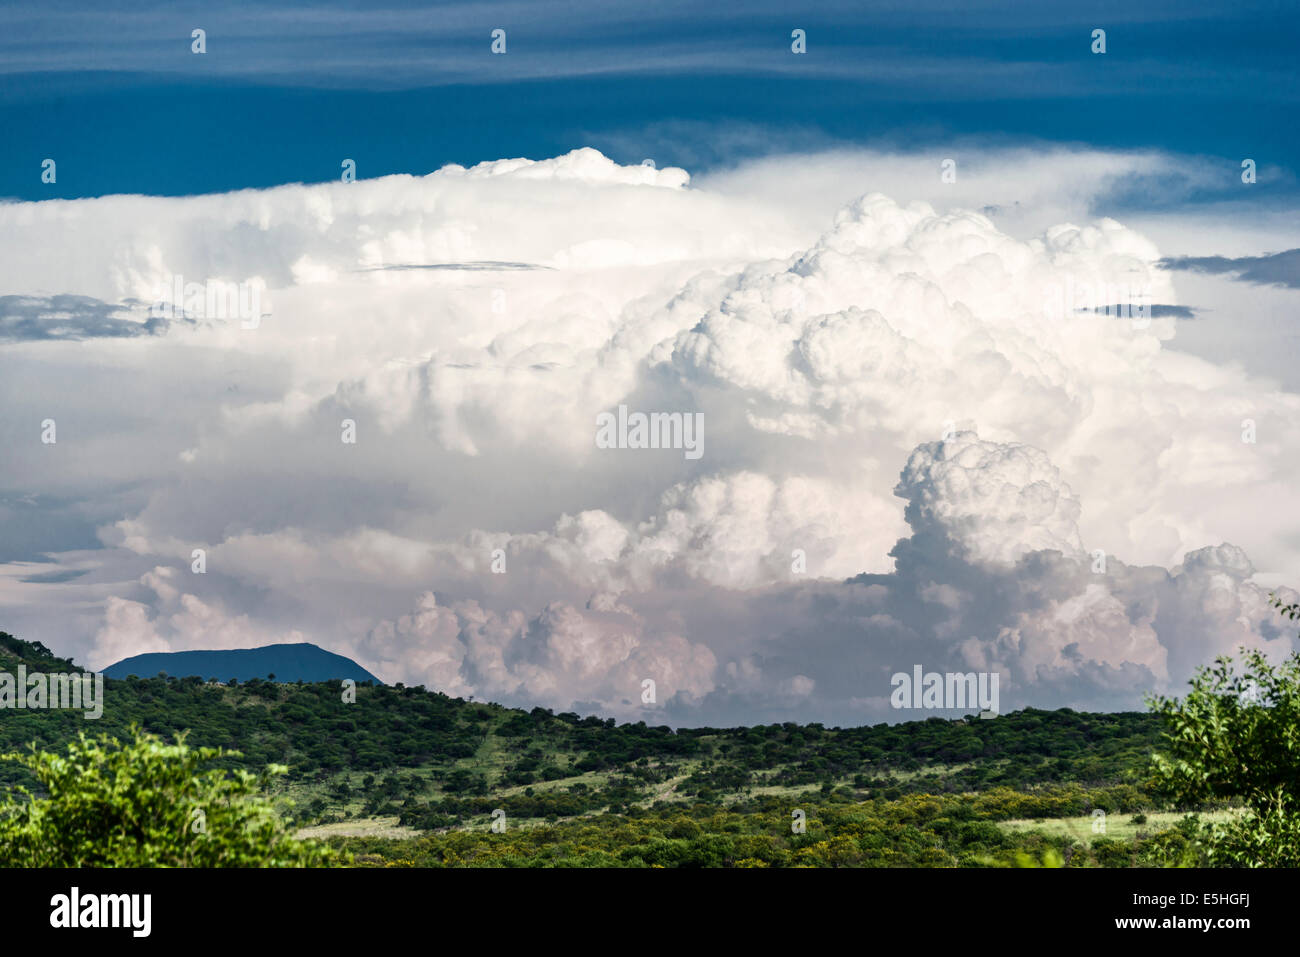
point(989, 341)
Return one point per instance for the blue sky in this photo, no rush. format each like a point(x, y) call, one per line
point(286, 91)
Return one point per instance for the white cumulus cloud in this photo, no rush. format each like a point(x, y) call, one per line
point(919, 434)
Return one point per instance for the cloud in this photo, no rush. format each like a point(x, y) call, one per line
point(175, 621)
point(1277, 269)
point(70, 317)
point(1127, 310)
point(994, 502)
point(466, 267)
point(919, 438)
point(337, 45)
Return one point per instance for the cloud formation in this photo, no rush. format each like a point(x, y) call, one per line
point(27, 318)
point(924, 446)
point(1276, 269)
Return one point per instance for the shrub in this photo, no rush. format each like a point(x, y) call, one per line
point(144, 803)
point(1237, 735)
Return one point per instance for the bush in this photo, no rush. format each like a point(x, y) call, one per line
point(144, 803)
point(1237, 736)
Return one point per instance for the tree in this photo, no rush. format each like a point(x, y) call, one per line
point(144, 803)
point(1237, 736)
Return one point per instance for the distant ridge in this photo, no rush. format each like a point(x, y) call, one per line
point(290, 662)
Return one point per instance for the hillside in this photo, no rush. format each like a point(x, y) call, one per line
point(425, 762)
point(32, 654)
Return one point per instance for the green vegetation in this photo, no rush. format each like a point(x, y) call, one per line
point(436, 761)
point(916, 830)
point(1236, 736)
point(1122, 827)
point(418, 776)
point(143, 804)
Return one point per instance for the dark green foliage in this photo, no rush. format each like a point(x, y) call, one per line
point(144, 803)
point(1236, 736)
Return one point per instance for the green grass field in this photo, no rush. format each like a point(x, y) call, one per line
point(1118, 826)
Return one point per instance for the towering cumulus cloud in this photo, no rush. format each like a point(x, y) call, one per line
point(923, 440)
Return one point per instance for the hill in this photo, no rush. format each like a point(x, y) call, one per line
point(450, 756)
point(290, 662)
point(587, 790)
point(30, 654)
